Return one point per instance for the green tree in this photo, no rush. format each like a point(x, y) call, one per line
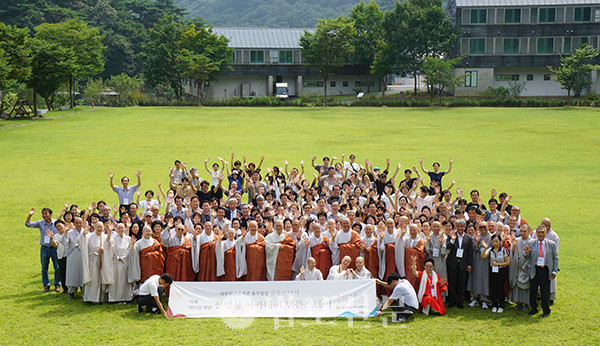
point(203, 54)
point(15, 56)
point(413, 30)
point(574, 72)
point(330, 46)
point(51, 68)
point(129, 88)
point(440, 72)
point(85, 44)
point(160, 55)
point(367, 20)
point(93, 90)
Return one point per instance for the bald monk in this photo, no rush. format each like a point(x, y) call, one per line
point(147, 257)
point(341, 271)
point(387, 251)
point(299, 237)
point(250, 254)
point(369, 250)
point(345, 243)
point(361, 273)
point(311, 272)
point(318, 249)
point(179, 253)
point(225, 252)
point(203, 247)
point(91, 244)
point(412, 249)
point(280, 251)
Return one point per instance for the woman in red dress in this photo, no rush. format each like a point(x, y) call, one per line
point(430, 289)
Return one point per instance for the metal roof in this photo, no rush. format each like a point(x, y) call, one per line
point(262, 38)
point(510, 3)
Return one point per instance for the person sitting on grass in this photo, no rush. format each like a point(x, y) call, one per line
point(431, 288)
point(151, 292)
point(403, 300)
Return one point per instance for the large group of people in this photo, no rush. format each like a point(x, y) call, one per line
point(427, 246)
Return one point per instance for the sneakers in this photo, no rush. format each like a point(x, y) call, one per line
point(500, 310)
point(70, 297)
point(46, 289)
point(57, 288)
point(525, 308)
point(473, 303)
point(494, 309)
point(399, 319)
point(140, 309)
point(484, 305)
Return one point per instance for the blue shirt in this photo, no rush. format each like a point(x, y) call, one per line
point(125, 196)
point(43, 227)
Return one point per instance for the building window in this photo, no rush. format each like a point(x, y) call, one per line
point(332, 84)
point(506, 77)
point(470, 79)
point(567, 45)
point(511, 46)
point(231, 56)
point(274, 56)
point(286, 56)
point(597, 16)
point(345, 83)
point(583, 14)
point(477, 46)
point(547, 15)
point(547, 76)
point(478, 16)
point(512, 15)
point(357, 83)
point(530, 77)
point(313, 84)
point(257, 57)
point(583, 41)
point(545, 45)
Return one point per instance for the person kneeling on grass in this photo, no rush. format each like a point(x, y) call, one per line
point(151, 292)
point(403, 300)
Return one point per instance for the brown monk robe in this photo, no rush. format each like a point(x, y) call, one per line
point(225, 252)
point(147, 258)
point(205, 250)
point(179, 254)
point(388, 237)
point(319, 249)
point(250, 254)
point(280, 251)
point(345, 243)
point(414, 252)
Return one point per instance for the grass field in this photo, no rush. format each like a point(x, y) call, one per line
point(545, 158)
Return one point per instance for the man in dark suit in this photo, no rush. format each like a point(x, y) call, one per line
point(543, 266)
point(459, 263)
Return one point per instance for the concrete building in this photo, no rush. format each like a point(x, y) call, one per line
point(515, 40)
point(263, 57)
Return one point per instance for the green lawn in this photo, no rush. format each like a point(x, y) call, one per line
point(545, 158)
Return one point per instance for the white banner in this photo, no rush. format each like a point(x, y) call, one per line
point(334, 298)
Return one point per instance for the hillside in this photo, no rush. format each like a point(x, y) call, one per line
point(269, 13)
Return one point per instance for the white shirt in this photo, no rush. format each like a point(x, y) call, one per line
point(405, 293)
point(150, 286)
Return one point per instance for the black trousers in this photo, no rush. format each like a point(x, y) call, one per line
point(497, 281)
point(457, 283)
point(402, 310)
point(62, 266)
point(541, 280)
point(148, 301)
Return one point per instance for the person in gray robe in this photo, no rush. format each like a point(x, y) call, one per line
point(74, 275)
point(479, 280)
point(97, 269)
point(118, 250)
point(518, 267)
